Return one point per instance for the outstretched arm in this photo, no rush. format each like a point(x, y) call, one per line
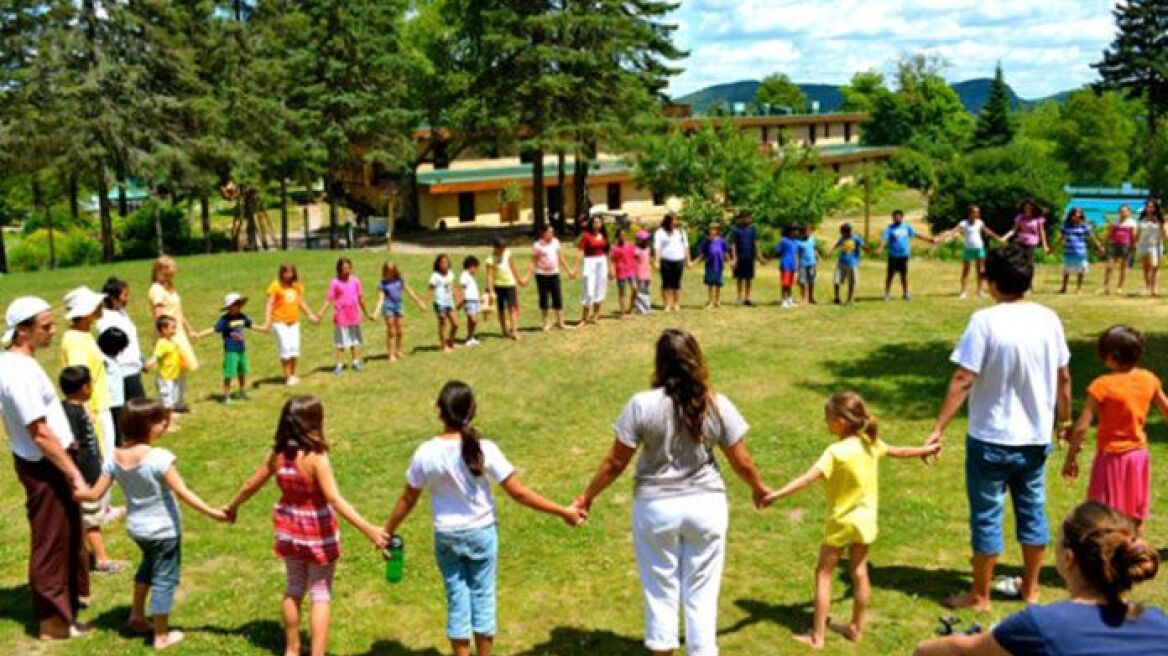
point(808, 477)
point(175, 482)
point(402, 509)
point(572, 515)
point(328, 486)
point(268, 309)
point(307, 310)
point(258, 478)
point(610, 469)
point(982, 644)
point(959, 386)
point(746, 470)
point(913, 451)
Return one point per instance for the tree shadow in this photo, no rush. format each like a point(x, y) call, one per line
point(572, 641)
point(267, 635)
point(939, 584)
point(395, 648)
point(909, 378)
point(16, 606)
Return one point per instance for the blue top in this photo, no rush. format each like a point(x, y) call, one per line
point(1075, 239)
point(807, 255)
point(788, 253)
point(850, 249)
point(899, 239)
point(714, 251)
point(745, 241)
point(393, 290)
point(231, 326)
point(1073, 629)
point(152, 513)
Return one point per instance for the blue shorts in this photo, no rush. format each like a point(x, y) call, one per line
point(992, 471)
point(714, 279)
point(471, 308)
point(468, 561)
point(443, 310)
point(393, 309)
point(161, 569)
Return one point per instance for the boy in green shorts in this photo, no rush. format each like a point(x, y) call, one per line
point(231, 325)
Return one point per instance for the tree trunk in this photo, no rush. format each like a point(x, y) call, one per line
point(39, 205)
point(123, 202)
point(580, 182)
point(105, 215)
point(250, 198)
point(74, 203)
point(538, 193)
point(283, 214)
point(332, 200)
point(561, 202)
point(160, 247)
point(3, 253)
point(205, 215)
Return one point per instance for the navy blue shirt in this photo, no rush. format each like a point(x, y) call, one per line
point(1072, 629)
point(231, 326)
point(745, 241)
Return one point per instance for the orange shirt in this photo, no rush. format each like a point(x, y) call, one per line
point(1124, 401)
point(287, 307)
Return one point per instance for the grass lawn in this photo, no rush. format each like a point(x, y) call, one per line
point(549, 401)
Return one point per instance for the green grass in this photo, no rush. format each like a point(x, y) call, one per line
point(549, 402)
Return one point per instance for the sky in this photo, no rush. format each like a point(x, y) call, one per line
point(1045, 46)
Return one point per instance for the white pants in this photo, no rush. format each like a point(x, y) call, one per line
point(105, 424)
point(595, 276)
point(681, 547)
point(171, 392)
point(287, 339)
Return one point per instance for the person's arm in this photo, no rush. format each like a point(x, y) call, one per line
point(989, 231)
point(1077, 437)
point(1063, 399)
point(51, 447)
point(328, 301)
point(258, 329)
point(402, 509)
point(1161, 401)
point(268, 309)
point(1042, 237)
point(490, 275)
point(361, 304)
point(743, 465)
point(579, 257)
point(175, 482)
point(258, 478)
point(982, 644)
point(307, 310)
point(912, 451)
point(572, 515)
point(323, 472)
point(564, 263)
point(100, 487)
point(959, 386)
point(802, 482)
point(613, 465)
point(515, 272)
point(380, 298)
point(414, 295)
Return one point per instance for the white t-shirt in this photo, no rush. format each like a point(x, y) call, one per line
point(443, 286)
point(973, 238)
point(1016, 349)
point(671, 246)
point(131, 358)
point(459, 500)
point(1151, 236)
point(26, 395)
point(470, 286)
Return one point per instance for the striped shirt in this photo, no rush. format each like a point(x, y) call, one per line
point(306, 527)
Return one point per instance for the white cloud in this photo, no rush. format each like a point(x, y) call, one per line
point(1045, 46)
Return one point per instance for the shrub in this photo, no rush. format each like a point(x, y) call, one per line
point(72, 248)
point(137, 240)
point(913, 169)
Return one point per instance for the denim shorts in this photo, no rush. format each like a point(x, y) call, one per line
point(468, 561)
point(393, 309)
point(471, 308)
point(161, 569)
point(992, 471)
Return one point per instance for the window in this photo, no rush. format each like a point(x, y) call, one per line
point(811, 133)
point(466, 207)
point(848, 132)
point(658, 198)
point(614, 196)
point(827, 130)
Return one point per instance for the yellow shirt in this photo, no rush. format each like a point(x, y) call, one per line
point(78, 347)
point(169, 359)
point(504, 276)
point(287, 305)
point(851, 470)
point(171, 304)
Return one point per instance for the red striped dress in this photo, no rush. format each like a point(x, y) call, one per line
point(306, 527)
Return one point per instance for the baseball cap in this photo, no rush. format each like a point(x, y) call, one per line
point(233, 298)
point(81, 302)
point(20, 310)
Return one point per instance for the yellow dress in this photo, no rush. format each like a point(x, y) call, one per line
point(171, 304)
point(851, 470)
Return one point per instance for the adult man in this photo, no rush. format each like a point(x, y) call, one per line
point(897, 237)
point(40, 438)
point(744, 252)
point(1012, 365)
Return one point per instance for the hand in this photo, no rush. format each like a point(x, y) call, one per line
point(314, 319)
point(219, 516)
point(1064, 436)
point(763, 497)
point(583, 503)
point(933, 451)
point(574, 516)
point(935, 438)
point(768, 501)
point(378, 536)
point(232, 514)
point(1071, 470)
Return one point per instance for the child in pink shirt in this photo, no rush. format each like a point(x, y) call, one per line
point(624, 263)
point(348, 303)
point(643, 256)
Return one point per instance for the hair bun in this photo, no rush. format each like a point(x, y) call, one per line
point(1139, 560)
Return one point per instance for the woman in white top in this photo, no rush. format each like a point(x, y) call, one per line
point(973, 230)
point(671, 248)
point(1150, 244)
point(116, 315)
point(679, 509)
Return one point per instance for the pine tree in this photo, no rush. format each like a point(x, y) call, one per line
point(995, 124)
point(1137, 60)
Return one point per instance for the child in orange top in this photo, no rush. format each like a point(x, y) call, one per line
point(1120, 475)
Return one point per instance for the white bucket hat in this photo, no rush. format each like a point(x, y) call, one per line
point(20, 310)
point(82, 302)
point(232, 299)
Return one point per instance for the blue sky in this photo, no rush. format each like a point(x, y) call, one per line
point(1045, 46)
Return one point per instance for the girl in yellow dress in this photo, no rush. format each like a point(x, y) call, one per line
point(850, 470)
point(165, 301)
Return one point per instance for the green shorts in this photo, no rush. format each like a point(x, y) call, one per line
point(235, 364)
point(972, 254)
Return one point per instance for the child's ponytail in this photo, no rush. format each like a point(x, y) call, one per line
point(456, 405)
point(871, 429)
point(850, 407)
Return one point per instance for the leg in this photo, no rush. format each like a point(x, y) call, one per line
point(888, 275)
point(320, 583)
point(657, 546)
point(481, 568)
point(1079, 283)
point(1028, 492)
point(389, 347)
point(455, 582)
point(964, 276)
point(980, 275)
point(703, 551)
point(904, 281)
point(851, 286)
point(96, 545)
point(987, 470)
point(1066, 280)
point(166, 557)
point(137, 620)
point(483, 644)
point(1107, 276)
point(861, 593)
point(824, 571)
point(58, 573)
point(1122, 276)
point(290, 608)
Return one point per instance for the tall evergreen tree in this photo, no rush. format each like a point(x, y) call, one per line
point(1136, 62)
point(995, 123)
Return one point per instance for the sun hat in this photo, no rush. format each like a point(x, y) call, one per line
point(232, 298)
point(82, 302)
point(20, 310)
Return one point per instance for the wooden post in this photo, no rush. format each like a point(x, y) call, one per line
point(283, 214)
point(307, 234)
point(867, 206)
point(158, 228)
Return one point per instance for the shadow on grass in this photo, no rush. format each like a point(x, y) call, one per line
point(270, 381)
point(395, 648)
point(16, 607)
point(572, 641)
point(939, 584)
point(267, 635)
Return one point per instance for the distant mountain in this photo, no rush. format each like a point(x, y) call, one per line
point(973, 94)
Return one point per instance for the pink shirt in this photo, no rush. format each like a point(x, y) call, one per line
point(1027, 230)
point(1122, 233)
point(345, 295)
point(644, 263)
point(624, 259)
point(546, 257)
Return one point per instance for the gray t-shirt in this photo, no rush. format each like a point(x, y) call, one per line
point(152, 513)
point(672, 462)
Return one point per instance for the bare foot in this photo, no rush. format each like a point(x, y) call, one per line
point(850, 632)
point(168, 640)
point(546, 327)
point(967, 600)
point(810, 640)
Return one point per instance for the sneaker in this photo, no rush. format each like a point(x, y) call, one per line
point(338, 370)
point(962, 296)
point(292, 381)
point(227, 400)
point(471, 342)
point(357, 366)
point(243, 396)
point(748, 303)
point(888, 297)
point(907, 297)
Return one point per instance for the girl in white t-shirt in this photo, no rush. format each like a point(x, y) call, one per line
point(442, 292)
point(456, 467)
point(972, 230)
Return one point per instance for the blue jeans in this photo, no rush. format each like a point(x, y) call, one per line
point(468, 561)
point(991, 471)
point(160, 569)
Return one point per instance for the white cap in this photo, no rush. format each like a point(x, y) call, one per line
point(232, 298)
point(19, 311)
point(82, 302)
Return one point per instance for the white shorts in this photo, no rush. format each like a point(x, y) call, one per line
point(347, 336)
point(170, 392)
point(1152, 252)
point(287, 339)
point(595, 277)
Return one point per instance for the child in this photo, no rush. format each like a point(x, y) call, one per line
point(168, 361)
point(149, 479)
point(442, 293)
point(1120, 475)
point(77, 386)
point(644, 256)
point(113, 342)
point(231, 325)
point(457, 467)
point(391, 292)
point(1120, 238)
point(714, 250)
point(624, 266)
point(309, 548)
point(808, 264)
point(282, 315)
point(1076, 234)
point(846, 268)
point(502, 280)
point(788, 253)
point(471, 300)
point(897, 237)
point(973, 231)
point(850, 470)
point(348, 301)
point(83, 307)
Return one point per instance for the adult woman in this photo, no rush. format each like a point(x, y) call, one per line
point(671, 248)
point(1120, 237)
point(1101, 557)
point(1150, 244)
point(502, 280)
point(116, 315)
point(546, 259)
point(593, 264)
point(165, 301)
point(1029, 229)
point(679, 512)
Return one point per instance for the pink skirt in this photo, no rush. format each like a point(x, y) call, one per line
point(1122, 481)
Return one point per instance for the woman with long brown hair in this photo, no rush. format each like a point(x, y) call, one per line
point(680, 514)
point(166, 302)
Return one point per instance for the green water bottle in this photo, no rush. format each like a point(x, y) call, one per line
point(395, 565)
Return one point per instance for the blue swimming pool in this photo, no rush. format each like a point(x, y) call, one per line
point(1099, 204)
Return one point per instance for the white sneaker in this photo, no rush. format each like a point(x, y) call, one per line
point(962, 296)
point(888, 297)
point(471, 342)
point(292, 381)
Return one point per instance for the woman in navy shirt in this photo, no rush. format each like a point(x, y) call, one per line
point(1101, 556)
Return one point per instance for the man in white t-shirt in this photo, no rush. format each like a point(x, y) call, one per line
point(1013, 366)
point(40, 439)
